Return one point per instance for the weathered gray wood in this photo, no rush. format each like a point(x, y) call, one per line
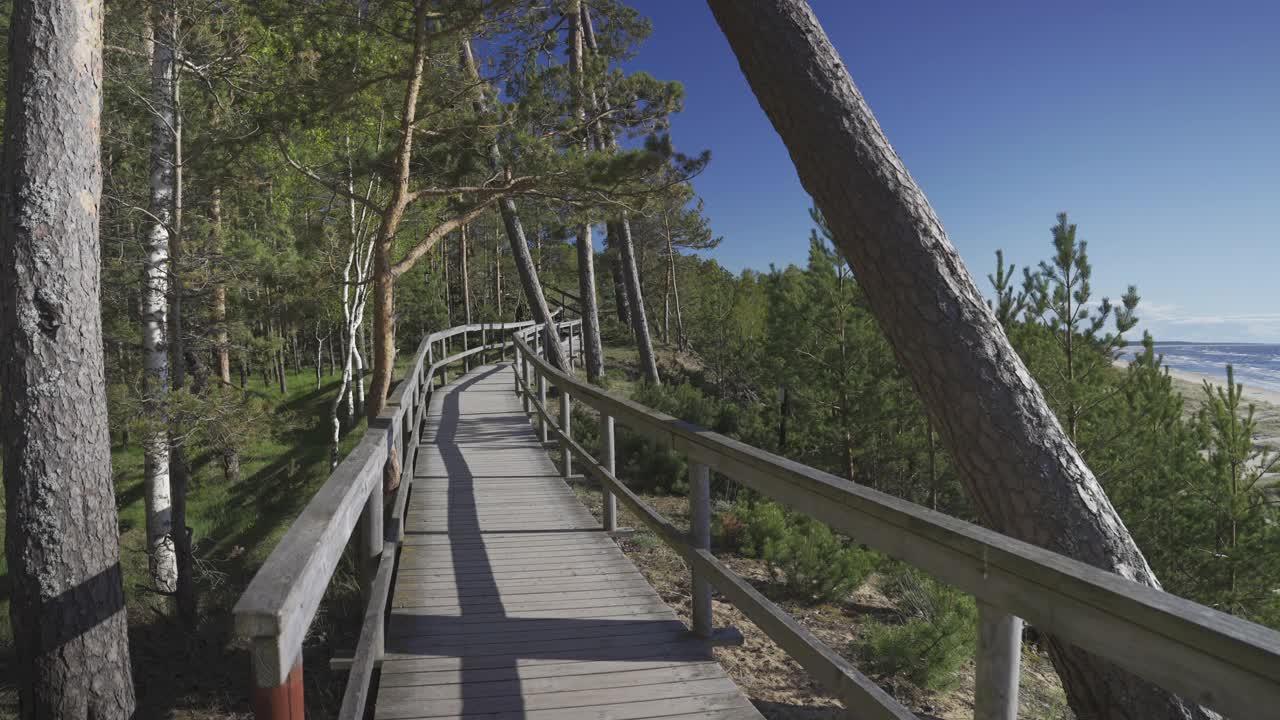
point(700, 537)
point(370, 647)
point(999, 655)
point(283, 596)
point(609, 504)
point(862, 696)
point(1208, 657)
point(505, 570)
point(369, 541)
point(566, 434)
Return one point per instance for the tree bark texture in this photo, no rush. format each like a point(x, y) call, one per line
point(620, 237)
point(525, 267)
point(384, 341)
point(593, 348)
point(155, 313)
point(67, 608)
point(179, 471)
point(1025, 477)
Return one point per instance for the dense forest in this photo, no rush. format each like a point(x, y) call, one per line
point(294, 193)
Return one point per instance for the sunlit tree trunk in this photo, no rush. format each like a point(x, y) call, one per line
point(1025, 477)
point(71, 649)
point(525, 267)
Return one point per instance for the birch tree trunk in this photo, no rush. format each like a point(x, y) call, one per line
point(71, 647)
point(1025, 477)
point(155, 288)
point(180, 472)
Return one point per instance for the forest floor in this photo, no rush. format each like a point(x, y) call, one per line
point(778, 686)
point(202, 674)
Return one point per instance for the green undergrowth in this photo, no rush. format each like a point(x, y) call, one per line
point(235, 526)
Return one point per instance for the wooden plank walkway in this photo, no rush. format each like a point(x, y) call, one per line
point(510, 602)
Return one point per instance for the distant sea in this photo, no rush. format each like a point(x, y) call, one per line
point(1257, 365)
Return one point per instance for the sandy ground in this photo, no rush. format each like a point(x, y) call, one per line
point(1266, 403)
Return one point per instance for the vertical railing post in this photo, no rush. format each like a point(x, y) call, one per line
point(369, 539)
point(571, 363)
point(515, 370)
point(566, 421)
point(524, 373)
point(484, 342)
point(542, 401)
point(273, 696)
point(610, 503)
point(999, 656)
point(700, 537)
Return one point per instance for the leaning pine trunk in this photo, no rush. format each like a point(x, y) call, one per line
point(155, 287)
point(71, 644)
point(620, 237)
point(1024, 475)
point(515, 231)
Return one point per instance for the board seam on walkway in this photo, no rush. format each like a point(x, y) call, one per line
point(510, 602)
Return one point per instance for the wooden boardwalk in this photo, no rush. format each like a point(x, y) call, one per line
point(510, 602)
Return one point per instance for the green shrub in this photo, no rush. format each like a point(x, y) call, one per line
point(815, 564)
point(937, 638)
point(811, 562)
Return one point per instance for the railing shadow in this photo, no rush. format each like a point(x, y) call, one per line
point(484, 632)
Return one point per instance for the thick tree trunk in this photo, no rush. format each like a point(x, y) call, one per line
point(155, 288)
point(1023, 474)
point(620, 237)
point(71, 651)
point(515, 231)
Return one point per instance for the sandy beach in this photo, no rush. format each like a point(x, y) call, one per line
point(1266, 402)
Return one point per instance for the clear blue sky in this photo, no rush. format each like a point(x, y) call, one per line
point(1155, 125)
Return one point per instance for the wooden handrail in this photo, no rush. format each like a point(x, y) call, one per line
point(1208, 657)
point(276, 609)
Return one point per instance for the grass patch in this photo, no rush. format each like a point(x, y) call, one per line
point(235, 526)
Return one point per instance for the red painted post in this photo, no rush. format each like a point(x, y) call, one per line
point(282, 702)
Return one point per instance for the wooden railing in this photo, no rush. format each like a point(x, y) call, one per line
point(276, 610)
point(1207, 657)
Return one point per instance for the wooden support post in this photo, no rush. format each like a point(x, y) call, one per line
point(566, 419)
point(524, 373)
point(610, 503)
point(484, 342)
point(369, 537)
point(466, 345)
point(999, 656)
point(571, 364)
point(542, 400)
point(515, 371)
point(272, 697)
point(700, 537)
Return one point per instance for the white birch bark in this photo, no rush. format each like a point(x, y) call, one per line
point(155, 358)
